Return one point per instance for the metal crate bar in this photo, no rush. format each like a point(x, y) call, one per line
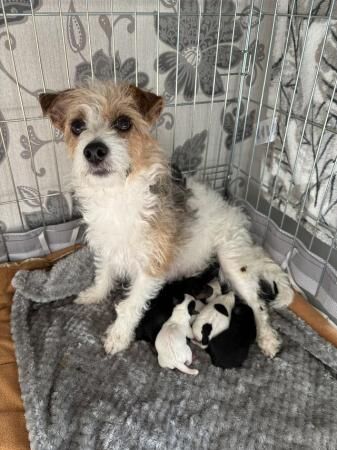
point(251, 83)
point(64, 44)
point(51, 132)
point(227, 88)
point(89, 39)
point(210, 112)
point(113, 39)
point(205, 102)
point(240, 92)
point(261, 95)
point(176, 79)
point(11, 174)
point(22, 109)
point(147, 13)
point(195, 86)
point(135, 43)
point(24, 199)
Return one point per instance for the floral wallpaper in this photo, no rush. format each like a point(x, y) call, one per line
point(189, 51)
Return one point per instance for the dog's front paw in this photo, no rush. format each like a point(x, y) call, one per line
point(270, 343)
point(89, 296)
point(116, 339)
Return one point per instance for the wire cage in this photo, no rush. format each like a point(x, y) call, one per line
point(250, 92)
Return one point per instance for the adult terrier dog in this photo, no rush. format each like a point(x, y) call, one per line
point(140, 223)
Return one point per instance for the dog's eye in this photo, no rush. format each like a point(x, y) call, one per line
point(77, 126)
point(123, 123)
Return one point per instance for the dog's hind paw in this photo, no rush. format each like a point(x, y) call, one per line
point(89, 297)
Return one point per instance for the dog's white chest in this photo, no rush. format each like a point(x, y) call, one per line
point(116, 227)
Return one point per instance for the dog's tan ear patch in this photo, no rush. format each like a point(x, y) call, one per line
point(149, 105)
point(46, 101)
point(54, 106)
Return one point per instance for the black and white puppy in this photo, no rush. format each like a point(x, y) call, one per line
point(161, 307)
point(214, 318)
point(230, 348)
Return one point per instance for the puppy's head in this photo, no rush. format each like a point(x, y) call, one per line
point(106, 128)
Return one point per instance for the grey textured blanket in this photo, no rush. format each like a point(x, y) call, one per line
point(76, 397)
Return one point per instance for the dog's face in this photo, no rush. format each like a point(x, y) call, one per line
point(106, 128)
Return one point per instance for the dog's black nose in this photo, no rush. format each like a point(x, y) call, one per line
point(95, 152)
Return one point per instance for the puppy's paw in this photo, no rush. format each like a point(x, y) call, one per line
point(89, 296)
point(116, 339)
point(270, 343)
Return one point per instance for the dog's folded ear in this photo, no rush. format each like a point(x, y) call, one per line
point(149, 105)
point(54, 106)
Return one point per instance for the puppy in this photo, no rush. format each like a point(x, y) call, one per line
point(160, 308)
point(230, 348)
point(142, 223)
point(215, 289)
point(213, 319)
point(171, 345)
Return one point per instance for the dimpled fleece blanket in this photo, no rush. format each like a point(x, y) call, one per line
point(77, 397)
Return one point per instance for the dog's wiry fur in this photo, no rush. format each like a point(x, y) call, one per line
point(144, 225)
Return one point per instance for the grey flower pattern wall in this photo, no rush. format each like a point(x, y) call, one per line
point(200, 49)
point(146, 49)
point(18, 7)
point(106, 67)
point(245, 123)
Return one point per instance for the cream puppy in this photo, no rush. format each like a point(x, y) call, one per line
point(173, 350)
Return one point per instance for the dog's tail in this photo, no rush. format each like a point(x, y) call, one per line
point(183, 368)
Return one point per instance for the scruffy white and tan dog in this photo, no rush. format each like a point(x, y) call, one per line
point(142, 224)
